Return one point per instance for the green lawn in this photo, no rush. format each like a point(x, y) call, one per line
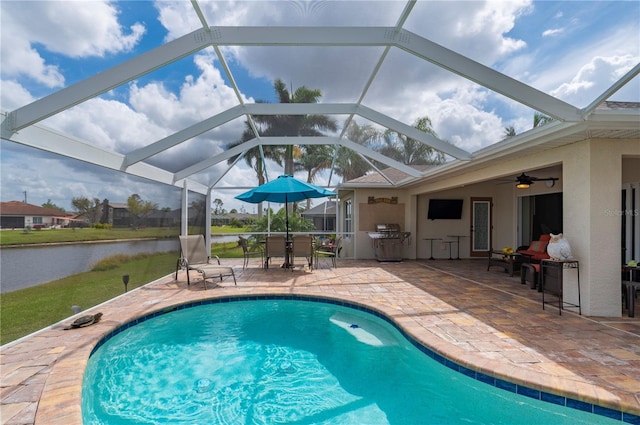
point(18, 237)
point(12, 237)
point(27, 310)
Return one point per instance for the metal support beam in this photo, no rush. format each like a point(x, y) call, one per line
point(181, 136)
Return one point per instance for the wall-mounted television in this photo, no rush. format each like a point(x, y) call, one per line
point(445, 209)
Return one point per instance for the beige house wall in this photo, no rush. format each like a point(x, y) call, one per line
point(593, 170)
point(366, 216)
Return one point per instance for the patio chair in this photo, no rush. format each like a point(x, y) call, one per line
point(194, 256)
point(332, 251)
point(303, 247)
point(253, 251)
point(536, 251)
point(276, 246)
point(530, 272)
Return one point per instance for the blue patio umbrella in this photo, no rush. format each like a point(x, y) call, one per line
point(284, 189)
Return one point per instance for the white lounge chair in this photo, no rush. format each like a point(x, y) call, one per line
point(194, 256)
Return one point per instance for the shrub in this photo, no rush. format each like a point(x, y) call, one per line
point(234, 222)
point(114, 261)
point(105, 226)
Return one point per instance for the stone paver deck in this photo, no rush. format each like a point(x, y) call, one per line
point(485, 321)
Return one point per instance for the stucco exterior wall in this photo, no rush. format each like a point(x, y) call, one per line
point(593, 171)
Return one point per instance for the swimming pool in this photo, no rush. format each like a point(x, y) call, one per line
point(266, 361)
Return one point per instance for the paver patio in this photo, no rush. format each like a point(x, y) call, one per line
point(485, 321)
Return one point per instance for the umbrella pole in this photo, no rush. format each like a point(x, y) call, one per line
point(287, 244)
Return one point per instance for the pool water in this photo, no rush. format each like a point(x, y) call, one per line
point(289, 362)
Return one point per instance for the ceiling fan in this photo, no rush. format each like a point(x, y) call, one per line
point(523, 181)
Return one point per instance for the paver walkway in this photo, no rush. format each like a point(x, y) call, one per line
point(483, 320)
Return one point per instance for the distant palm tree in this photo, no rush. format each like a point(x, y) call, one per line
point(349, 164)
point(314, 159)
point(509, 131)
point(540, 119)
point(411, 151)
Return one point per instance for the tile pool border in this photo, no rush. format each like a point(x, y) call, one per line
point(479, 376)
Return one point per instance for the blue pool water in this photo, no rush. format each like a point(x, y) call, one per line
point(289, 362)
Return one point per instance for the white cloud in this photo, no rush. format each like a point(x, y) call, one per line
point(178, 18)
point(198, 98)
point(109, 124)
point(73, 29)
point(13, 95)
point(594, 77)
point(464, 125)
point(480, 31)
point(76, 29)
point(552, 32)
point(581, 72)
point(21, 59)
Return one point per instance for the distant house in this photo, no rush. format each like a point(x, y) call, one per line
point(20, 215)
point(163, 218)
point(118, 214)
point(226, 219)
point(323, 216)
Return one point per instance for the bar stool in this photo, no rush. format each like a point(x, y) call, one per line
point(431, 245)
point(450, 243)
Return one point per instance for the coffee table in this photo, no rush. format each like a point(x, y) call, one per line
point(509, 262)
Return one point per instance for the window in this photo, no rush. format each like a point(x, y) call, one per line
point(348, 216)
point(37, 220)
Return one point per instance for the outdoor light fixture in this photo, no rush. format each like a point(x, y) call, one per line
point(125, 280)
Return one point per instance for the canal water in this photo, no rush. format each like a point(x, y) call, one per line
point(30, 266)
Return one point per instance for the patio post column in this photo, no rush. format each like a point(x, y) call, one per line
point(591, 184)
point(207, 224)
point(184, 210)
point(411, 221)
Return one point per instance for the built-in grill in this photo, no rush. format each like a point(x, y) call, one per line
point(387, 242)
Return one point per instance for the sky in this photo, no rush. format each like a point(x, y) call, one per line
point(573, 50)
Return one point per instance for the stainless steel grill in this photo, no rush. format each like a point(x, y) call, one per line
point(387, 242)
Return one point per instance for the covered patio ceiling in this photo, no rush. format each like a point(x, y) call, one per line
point(377, 46)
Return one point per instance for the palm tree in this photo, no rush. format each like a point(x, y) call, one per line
point(286, 125)
point(254, 159)
point(349, 164)
point(294, 125)
point(315, 159)
point(411, 151)
point(509, 131)
point(540, 119)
